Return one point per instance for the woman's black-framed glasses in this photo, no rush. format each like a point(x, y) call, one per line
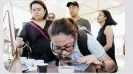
point(59, 50)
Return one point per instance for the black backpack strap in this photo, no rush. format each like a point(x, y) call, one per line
point(87, 31)
point(82, 43)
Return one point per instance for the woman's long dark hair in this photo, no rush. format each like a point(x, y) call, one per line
point(42, 4)
point(109, 20)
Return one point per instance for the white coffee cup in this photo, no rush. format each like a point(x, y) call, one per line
point(29, 62)
point(66, 69)
point(22, 59)
point(39, 61)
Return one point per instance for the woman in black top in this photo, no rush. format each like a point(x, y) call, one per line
point(105, 35)
point(40, 46)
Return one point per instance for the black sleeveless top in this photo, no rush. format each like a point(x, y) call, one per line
point(102, 40)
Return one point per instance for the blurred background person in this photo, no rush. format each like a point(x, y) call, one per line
point(74, 12)
point(51, 16)
point(105, 34)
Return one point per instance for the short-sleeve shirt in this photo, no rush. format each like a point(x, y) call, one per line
point(84, 23)
point(39, 45)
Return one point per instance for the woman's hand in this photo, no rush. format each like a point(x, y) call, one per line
point(19, 42)
point(89, 59)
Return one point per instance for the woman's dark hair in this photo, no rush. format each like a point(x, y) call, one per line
point(109, 20)
point(42, 4)
point(66, 26)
